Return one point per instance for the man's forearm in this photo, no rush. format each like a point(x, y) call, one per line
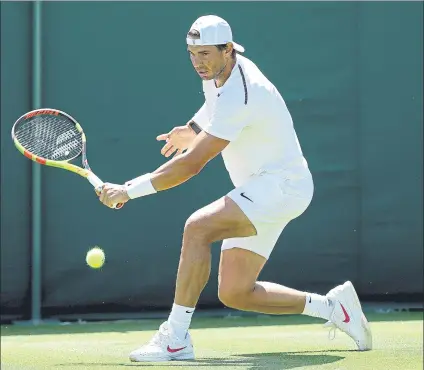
point(173, 173)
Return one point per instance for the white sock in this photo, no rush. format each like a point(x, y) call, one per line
point(318, 306)
point(179, 320)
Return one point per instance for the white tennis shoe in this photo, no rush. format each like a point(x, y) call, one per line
point(347, 316)
point(164, 347)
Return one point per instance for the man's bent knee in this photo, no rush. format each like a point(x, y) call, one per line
point(219, 220)
point(204, 227)
point(197, 228)
point(234, 298)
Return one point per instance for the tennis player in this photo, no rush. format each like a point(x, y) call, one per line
point(245, 118)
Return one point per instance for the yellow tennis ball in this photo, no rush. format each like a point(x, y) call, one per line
point(95, 258)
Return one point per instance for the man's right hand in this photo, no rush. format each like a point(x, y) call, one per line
point(177, 140)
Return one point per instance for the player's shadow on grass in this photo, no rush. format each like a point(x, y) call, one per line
point(269, 361)
point(251, 361)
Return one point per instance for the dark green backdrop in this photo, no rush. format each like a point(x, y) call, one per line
point(351, 73)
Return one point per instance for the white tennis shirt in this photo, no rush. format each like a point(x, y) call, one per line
point(249, 112)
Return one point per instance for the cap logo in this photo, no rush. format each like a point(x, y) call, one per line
point(194, 34)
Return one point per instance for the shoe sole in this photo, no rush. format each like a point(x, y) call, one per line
point(182, 357)
point(364, 322)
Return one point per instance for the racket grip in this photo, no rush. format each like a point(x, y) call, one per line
point(95, 181)
point(98, 185)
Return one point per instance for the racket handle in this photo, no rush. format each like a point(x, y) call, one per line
point(95, 181)
point(98, 185)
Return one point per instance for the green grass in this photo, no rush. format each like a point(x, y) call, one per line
point(263, 342)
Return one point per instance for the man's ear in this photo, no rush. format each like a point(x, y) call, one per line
point(229, 48)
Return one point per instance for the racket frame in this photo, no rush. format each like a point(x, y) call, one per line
point(84, 171)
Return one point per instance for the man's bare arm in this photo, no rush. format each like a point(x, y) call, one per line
point(181, 168)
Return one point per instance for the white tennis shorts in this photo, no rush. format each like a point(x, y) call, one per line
point(270, 202)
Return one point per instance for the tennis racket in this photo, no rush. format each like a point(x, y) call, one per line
point(54, 138)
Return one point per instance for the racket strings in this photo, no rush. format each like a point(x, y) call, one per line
point(50, 137)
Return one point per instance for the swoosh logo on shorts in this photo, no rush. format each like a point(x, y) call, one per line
point(173, 350)
point(347, 317)
point(244, 196)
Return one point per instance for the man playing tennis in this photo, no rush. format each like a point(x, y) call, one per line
point(245, 118)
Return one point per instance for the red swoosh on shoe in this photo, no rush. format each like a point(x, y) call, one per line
point(347, 317)
point(173, 350)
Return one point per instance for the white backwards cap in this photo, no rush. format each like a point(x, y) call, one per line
point(213, 30)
